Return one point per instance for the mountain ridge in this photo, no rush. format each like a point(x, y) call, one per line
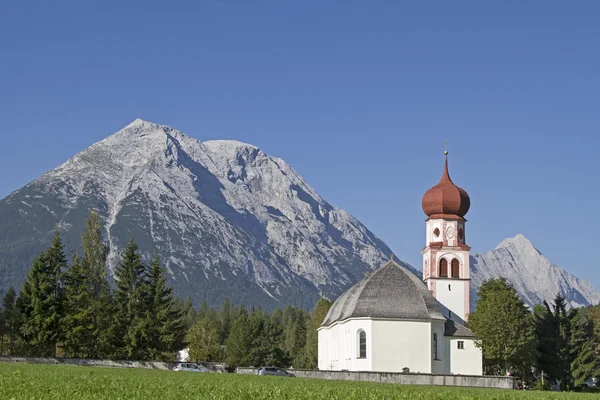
point(228, 220)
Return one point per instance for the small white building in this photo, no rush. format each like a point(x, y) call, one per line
point(392, 321)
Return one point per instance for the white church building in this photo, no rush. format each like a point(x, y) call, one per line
point(392, 321)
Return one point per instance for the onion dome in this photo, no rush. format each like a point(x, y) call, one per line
point(391, 292)
point(446, 200)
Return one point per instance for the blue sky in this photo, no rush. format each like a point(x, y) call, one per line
point(358, 96)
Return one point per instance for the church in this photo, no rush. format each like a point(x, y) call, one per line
point(392, 321)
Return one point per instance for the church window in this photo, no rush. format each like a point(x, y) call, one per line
point(362, 344)
point(443, 268)
point(461, 345)
point(436, 232)
point(455, 266)
point(435, 347)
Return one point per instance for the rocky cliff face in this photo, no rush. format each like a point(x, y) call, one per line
point(227, 219)
point(534, 277)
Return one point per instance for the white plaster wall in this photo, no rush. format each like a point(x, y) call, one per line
point(339, 346)
point(468, 361)
point(452, 294)
point(399, 344)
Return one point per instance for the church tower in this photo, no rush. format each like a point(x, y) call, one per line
point(446, 254)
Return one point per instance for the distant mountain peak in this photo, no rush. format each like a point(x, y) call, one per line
point(532, 275)
point(227, 219)
point(519, 242)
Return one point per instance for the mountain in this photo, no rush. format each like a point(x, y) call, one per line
point(227, 219)
point(530, 273)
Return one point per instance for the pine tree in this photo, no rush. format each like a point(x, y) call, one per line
point(41, 302)
point(79, 319)
point(129, 339)
point(503, 328)
point(554, 355)
point(585, 362)
point(100, 306)
point(298, 342)
point(165, 324)
point(9, 322)
point(226, 319)
point(239, 343)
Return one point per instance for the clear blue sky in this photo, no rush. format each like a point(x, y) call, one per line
point(358, 96)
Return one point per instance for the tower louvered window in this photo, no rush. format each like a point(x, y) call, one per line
point(455, 266)
point(443, 268)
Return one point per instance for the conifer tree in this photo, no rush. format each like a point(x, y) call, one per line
point(165, 324)
point(239, 343)
point(41, 301)
point(554, 355)
point(79, 318)
point(585, 360)
point(129, 339)
point(10, 321)
point(226, 319)
point(100, 306)
point(298, 342)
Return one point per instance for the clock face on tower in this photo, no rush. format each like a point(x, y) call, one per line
point(450, 232)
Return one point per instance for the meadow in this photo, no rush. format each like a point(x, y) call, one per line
point(27, 381)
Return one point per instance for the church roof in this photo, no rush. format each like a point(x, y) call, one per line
point(392, 292)
point(452, 328)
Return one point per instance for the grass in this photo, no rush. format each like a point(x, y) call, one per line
point(27, 381)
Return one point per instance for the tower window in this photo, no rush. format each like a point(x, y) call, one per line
point(461, 345)
point(362, 344)
point(449, 288)
point(436, 232)
point(455, 266)
point(443, 268)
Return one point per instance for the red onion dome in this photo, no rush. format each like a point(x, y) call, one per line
point(446, 200)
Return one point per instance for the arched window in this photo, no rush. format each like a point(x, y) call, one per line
point(435, 347)
point(362, 344)
point(455, 268)
point(443, 268)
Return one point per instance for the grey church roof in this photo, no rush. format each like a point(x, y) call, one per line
point(452, 328)
point(390, 292)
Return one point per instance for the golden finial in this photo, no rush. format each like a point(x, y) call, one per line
point(446, 152)
point(392, 256)
point(445, 147)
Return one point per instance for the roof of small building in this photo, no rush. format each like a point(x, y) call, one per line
point(391, 292)
point(452, 328)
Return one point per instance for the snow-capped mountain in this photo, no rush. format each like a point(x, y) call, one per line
point(227, 219)
point(534, 277)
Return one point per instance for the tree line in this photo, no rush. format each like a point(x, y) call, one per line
point(70, 310)
point(241, 337)
point(549, 344)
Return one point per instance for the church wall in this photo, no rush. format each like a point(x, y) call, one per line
point(467, 361)
point(400, 344)
point(439, 366)
point(452, 298)
point(338, 346)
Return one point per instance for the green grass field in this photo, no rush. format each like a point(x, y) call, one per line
point(25, 381)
